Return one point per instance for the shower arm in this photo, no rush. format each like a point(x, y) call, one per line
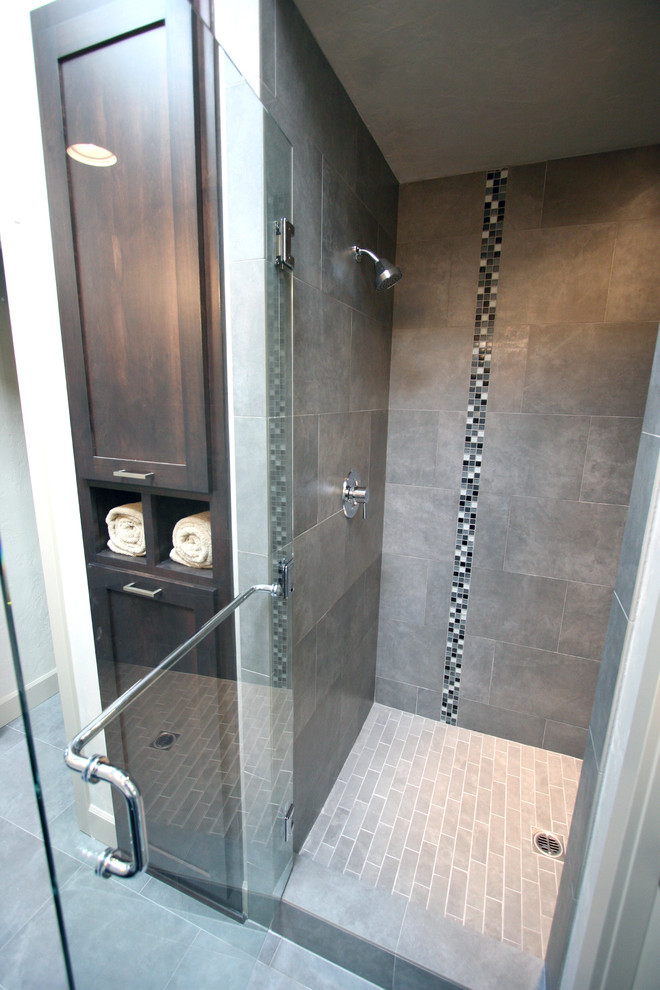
point(359, 251)
point(95, 768)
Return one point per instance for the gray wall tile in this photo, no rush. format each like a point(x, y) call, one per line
point(433, 208)
point(491, 531)
point(562, 738)
point(528, 729)
point(346, 221)
point(396, 694)
point(584, 622)
point(634, 292)
point(508, 366)
point(543, 683)
point(579, 257)
point(572, 541)
point(651, 422)
point(440, 282)
point(640, 500)
point(610, 461)
point(524, 197)
point(616, 185)
point(595, 369)
point(306, 472)
point(608, 677)
point(344, 443)
point(321, 352)
point(534, 455)
point(404, 588)
point(516, 608)
point(421, 519)
point(431, 368)
point(418, 647)
point(371, 344)
point(477, 668)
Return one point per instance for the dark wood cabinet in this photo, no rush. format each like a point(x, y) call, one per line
point(138, 253)
point(128, 238)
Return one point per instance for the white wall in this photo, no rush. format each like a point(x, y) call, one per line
point(21, 548)
point(26, 247)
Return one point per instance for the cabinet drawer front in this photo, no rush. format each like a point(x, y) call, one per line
point(126, 241)
point(139, 620)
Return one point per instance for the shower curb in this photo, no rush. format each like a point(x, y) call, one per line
point(387, 940)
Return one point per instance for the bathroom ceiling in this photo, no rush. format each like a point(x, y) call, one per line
point(451, 86)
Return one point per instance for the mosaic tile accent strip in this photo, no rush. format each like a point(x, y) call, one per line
point(484, 326)
point(443, 817)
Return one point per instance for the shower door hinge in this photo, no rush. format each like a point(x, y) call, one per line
point(284, 231)
point(288, 823)
point(285, 578)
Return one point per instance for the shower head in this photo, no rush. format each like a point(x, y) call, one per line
point(387, 274)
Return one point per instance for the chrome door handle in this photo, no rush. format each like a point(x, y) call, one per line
point(115, 862)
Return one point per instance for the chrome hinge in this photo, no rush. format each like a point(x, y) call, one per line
point(288, 823)
point(284, 231)
point(285, 578)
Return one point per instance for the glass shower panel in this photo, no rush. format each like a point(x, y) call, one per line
point(257, 173)
point(212, 754)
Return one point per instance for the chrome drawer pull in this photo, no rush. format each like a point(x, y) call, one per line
point(133, 475)
point(133, 589)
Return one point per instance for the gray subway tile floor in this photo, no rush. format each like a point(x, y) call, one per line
point(140, 934)
point(442, 817)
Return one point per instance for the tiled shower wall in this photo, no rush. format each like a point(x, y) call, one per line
point(343, 194)
point(576, 321)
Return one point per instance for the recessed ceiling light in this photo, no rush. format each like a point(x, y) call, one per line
point(91, 154)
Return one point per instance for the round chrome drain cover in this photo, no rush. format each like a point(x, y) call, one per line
point(165, 740)
point(547, 843)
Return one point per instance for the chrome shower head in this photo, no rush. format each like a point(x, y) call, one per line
point(387, 274)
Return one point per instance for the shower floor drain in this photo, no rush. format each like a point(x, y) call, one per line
point(164, 740)
point(548, 844)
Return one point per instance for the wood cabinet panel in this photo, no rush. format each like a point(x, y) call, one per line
point(128, 251)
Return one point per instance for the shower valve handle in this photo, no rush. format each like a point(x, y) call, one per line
point(353, 495)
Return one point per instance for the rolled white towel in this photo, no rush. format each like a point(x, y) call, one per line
point(191, 539)
point(126, 529)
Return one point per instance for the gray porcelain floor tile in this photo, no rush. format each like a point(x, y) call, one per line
point(211, 964)
point(33, 958)
point(47, 722)
point(24, 880)
point(313, 971)
point(10, 738)
point(17, 801)
point(265, 978)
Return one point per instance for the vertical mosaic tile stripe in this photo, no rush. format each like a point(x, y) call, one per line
point(484, 326)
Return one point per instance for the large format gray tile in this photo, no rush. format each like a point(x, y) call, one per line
point(312, 94)
point(608, 677)
point(534, 455)
point(584, 622)
point(306, 472)
point(24, 880)
point(477, 668)
point(425, 448)
point(491, 529)
point(549, 685)
point(420, 521)
point(508, 364)
point(434, 207)
point(571, 541)
point(516, 608)
point(344, 445)
point(582, 818)
point(610, 460)
point(376, 185)
point(423, 649)
point(313, 971)
point(615, 185)
point(371, 345)
point(431, 367)
point(524, 197)
point(153, 939)
point(652, 411)
point(17, 800)
point(347, 222)
point(46, 722)
point(440, 282)
point(473, 961)
point(33, 957)
point(640, 501)
point(562, 738)
point(396, 694)
point(527, 729)
point(597, 369)
point(205, 960)
point(346, 903)
point(404, 588)
point(634, 291)
point(580, 259)
point(322, 352)
point(304, 680)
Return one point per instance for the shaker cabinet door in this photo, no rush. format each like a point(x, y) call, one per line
point(128, 257)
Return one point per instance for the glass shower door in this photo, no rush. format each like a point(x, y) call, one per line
point(212, 757)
